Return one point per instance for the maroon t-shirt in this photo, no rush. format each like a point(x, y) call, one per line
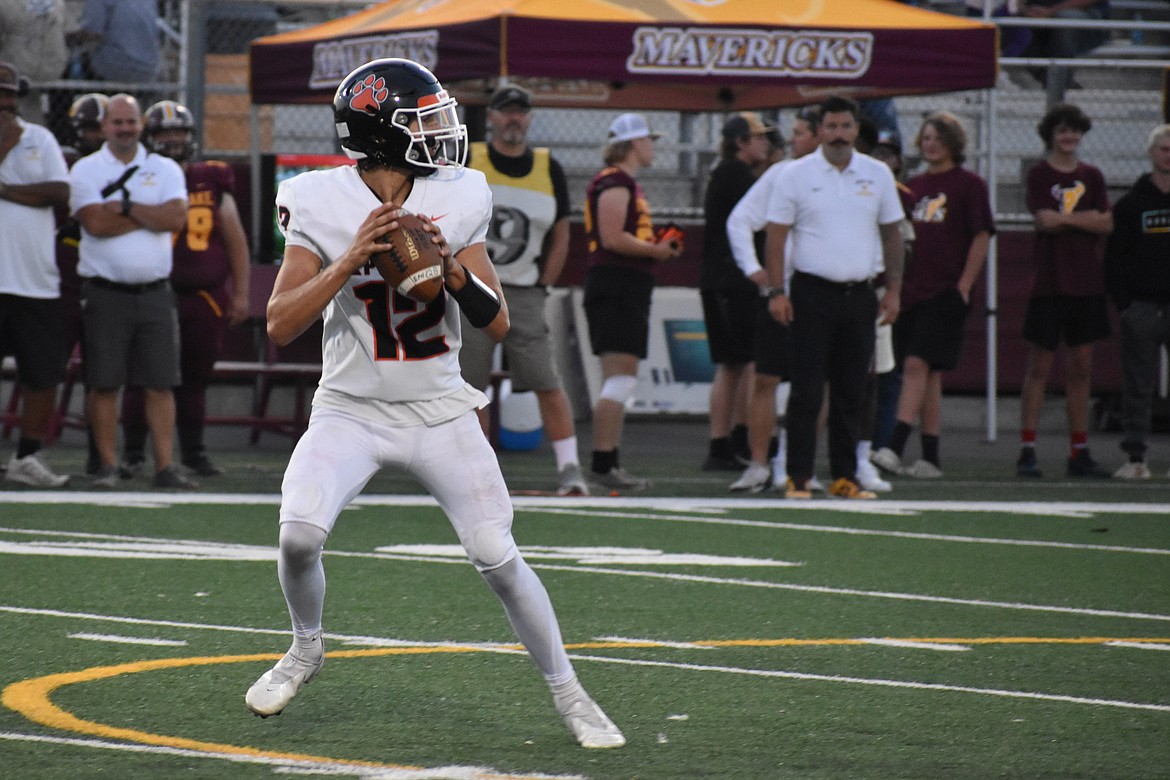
point(201, 257)
point(1068, 262)
point(949, 210)
point(637, 222)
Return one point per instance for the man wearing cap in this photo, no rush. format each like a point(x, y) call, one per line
point(129, 203)
point(33, 180)
point(528, 242)
point(842, 209)
point(623, 250)
point(730, 299)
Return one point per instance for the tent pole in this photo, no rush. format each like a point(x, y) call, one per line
point(254, 156)
point(990, 127)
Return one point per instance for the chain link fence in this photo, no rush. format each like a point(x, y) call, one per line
point(205, 65)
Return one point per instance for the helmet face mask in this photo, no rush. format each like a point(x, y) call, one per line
point(394, 112)
point(168, 115)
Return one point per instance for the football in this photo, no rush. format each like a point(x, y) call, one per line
point(413, 265)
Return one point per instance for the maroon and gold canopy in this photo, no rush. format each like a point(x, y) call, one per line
point(646, 54)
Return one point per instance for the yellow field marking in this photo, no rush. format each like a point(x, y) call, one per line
point(33, 698)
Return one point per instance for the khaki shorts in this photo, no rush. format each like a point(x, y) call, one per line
point(528, 354)
point(130, 337)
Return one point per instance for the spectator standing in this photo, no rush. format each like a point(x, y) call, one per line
point(528, 243)
point(745, 227)
point(33, 180)
point(210, 276)
point(730, 300)
point(119, 40)
point(1070, 209)
point(1064, 43)
point(953, 226)
point(888, 149)
point(85, 128)
point(622, 253)
point(32, 39)
point(842, 208)
point(391, 393)
point(1137, 277)
point(129, 203)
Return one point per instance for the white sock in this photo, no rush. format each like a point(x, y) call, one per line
point(565, 451)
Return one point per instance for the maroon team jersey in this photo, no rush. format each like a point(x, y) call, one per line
point(1068, 262)
point(201, 257)
point(949, 210)
point(637, 221)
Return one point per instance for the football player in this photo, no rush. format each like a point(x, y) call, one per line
point(391, 393)
point(208, 252)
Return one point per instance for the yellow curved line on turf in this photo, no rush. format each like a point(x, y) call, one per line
point(33, 698)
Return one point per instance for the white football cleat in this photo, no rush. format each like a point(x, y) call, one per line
point(591, 727)
point(276, 688)
point(754, 479)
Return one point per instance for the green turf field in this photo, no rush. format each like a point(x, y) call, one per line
point(728, 638)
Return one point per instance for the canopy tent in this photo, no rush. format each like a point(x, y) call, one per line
point(644, 54)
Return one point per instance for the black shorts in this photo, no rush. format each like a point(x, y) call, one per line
point(33, 331)
point(1075, 319)
point(617, 308)
point(731, 325)
point(932, 330)
point(772, 344)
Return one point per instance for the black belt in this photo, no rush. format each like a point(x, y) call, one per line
point(823, 282)
point(98, 281)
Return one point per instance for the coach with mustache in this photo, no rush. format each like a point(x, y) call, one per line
point(842, 210)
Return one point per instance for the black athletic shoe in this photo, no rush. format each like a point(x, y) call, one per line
point(1027, 466)
point(716, 463)
point(1083, 465)
point(202, 466)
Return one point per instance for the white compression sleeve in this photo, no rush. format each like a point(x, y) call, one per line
point(531, 614)
point(302, 576)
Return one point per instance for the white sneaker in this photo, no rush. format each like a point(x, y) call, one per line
point(276, 688)
point(887, 460)
point(922, 469)
point(754, 479)
point(572, 483)
point(1131, 470)
point(814, 485)
point(869, 478)
point(31, 470)
point(591, 727)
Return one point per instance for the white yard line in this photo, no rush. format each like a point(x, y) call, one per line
point(129, 640)
point(301, 767)
point(832, 678)
point(1140, 645)
point(947, 648)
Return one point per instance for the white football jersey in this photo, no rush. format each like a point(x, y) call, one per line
point(380, 347)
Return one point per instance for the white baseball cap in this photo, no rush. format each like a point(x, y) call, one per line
point(627, 127)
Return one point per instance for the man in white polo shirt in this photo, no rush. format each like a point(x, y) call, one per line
point(841, 208)
point(129, 202)
point(33, 181)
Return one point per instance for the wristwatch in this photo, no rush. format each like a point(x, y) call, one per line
point(126, 204)
point(771, 292)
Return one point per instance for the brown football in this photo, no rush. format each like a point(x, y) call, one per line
point(413, 265)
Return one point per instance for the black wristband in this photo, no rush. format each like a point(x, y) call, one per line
point(479, 303)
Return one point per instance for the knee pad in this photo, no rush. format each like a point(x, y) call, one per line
point(619, 388)
point(490, 547)
point(301, 543)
